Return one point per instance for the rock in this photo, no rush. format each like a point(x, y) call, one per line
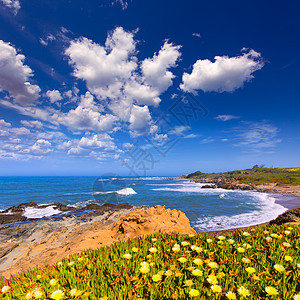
point(208, 186)
point(45, 242)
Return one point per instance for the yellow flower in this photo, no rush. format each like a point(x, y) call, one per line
point(5, 289)
point(144, 269)
point(191, 269)
point(193, 247)
point(213, 265)
point(243, 291)
point(75, 293)
point(197, 272)
point(127, 256)
point(246, 260)
point(268, 239)
point(59, 263)
point(250, 270)
point(57, 295)
point(247, 246)
point(103, 298)
point(168, 273)
point(71, 263)
point(184, 243)
point(245, 233)
point(53, 282)
point(28, 295)
point(80, 259)
point(255, 277)
point(156, 277)
point(154, 239)
point(240, 249)
point(188, 283)
point(176, 248)
point(216, 288)
point(194, 293)
point(199, 249)
point(38, 277)
point(149, 256)
point(230, 295)
point(212, 279)
point(153, 250)
point(286, 244)
point(198, 261)
point(209, 240)
point(152, 264)
point(231, 241)
point(298, 266)
point(178, 274)
point(144, 264)
point(279, 268)
point(290, 228)
point(288, 258)
point(182, 259)
point(221, 275)
point(37, 294)
point(266, 232)
point(135, 249)
point(271, 290)
point(221, 237)
point(274, 235)
point(297, 297)
point(191, 235)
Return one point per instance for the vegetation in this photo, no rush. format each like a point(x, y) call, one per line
point(257, 175)
point(197, 173)
point(261, 263)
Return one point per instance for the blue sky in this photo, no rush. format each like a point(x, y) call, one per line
point(148, 87)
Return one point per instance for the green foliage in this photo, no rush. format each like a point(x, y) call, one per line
point(257, 262)
point(259, 175)
point(195, 174)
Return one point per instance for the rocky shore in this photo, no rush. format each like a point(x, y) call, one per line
point(231, 184)
point(46, 241)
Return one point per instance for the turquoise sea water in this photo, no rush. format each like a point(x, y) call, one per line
point(207, 209)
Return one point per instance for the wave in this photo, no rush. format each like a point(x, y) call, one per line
point(126, 191)
point(132, 178)
point(267, 210)
point(36, 213)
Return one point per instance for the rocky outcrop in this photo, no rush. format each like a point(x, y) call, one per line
point(290, 216)
point(45, 242)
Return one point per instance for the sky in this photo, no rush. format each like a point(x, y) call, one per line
point(145, 88)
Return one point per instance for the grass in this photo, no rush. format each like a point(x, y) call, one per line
point(261, 263)
point(256, 176)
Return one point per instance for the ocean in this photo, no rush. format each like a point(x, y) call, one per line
point(207, 209)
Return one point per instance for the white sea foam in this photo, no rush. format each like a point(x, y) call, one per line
point(126, 191)
point(267, 210)
point(35, 213)
point(222, 195)
point(132, 178)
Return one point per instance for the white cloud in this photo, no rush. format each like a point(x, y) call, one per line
point(98, 144)
point(14, 75)
point(49, 38)
point(54, 96)
point(225, 118)
point(127, 145)
point(32, 124)
point(86, 116)
point(225, 74)
point(207, 140)
point(196, 34)
point(114, 75)
point(256, 136)
point(40, 147)
point(4, 124)
point(12, 4)
point(123, 3)
point(140, 120)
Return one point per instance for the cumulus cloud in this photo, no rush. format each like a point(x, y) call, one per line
point(32, 124)
point(40, 147)
point(86, 116)
point(54, 96)
point(15, 75)
point(225, 74)
point(140, 120)
point(14, 5)
point(225, 118)
point(114, 75)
